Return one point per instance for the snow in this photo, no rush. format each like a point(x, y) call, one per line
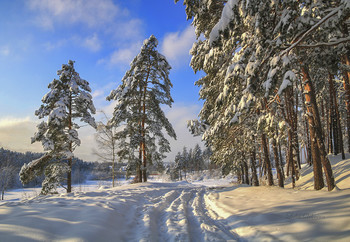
point(203, 208)
point(226, 17)
point(288, 78)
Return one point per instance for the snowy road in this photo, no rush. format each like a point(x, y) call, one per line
point(181, 212)
point(140, 212)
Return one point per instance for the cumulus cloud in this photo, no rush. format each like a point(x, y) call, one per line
point(176, 46)
point(89, 12)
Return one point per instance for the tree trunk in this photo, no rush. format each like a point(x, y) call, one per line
point(290, 164)
point(246, 172)
point(239, 175)
point(293, 150)
point(346, 84)
point(255, 180)
point(277, 162)
point(295, 131)
point(306, 124)
point(267, 161)
point(315, 126)
point(338, 131)
point(281, 159)
point(113, 159)
point(69, 174)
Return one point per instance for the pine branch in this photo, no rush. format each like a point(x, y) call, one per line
point(313, 28)
point(324, 44)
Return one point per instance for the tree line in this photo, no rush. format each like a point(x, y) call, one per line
point(11, 163)
point(276, 83)
point(189, 161)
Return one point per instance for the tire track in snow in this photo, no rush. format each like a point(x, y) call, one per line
point(179, 214)
point(155, 229)
point(193, 224)
point(211, 228)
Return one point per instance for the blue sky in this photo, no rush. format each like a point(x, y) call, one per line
point(102, 36)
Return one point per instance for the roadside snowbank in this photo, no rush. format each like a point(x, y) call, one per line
point(302, 214)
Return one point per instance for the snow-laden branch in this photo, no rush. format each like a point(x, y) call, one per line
point(326, 44)
point(328, 16)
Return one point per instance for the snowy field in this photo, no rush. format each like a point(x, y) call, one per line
point(201, 209)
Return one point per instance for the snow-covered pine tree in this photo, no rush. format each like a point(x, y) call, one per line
point(69, 99)
point(252, 53)
point(144, 88)
point(231, 55)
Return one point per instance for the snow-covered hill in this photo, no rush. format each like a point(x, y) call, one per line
point(185, 211)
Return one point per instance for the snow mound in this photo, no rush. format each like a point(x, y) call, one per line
point(341, 172)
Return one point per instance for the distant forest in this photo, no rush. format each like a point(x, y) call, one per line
point(81, 170)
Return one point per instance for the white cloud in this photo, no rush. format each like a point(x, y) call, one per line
point(122, 56)
point(93, 13)
point(97, 93)
point(92, 43)
point(176, 46)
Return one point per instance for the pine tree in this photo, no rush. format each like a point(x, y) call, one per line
point(69, 99)
point(144, 88)
point(197, 158)
point(259, 58)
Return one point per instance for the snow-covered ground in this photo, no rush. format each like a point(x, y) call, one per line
point(200, 209)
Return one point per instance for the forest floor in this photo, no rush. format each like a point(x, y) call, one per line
point(197, 210)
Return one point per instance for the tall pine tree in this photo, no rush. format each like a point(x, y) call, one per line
point(144, 88)
point(68, 99)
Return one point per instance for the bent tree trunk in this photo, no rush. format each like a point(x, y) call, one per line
point(316, 130)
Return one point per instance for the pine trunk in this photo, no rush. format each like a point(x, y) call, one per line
point(113, 161)
point(290, 164)
point(255, 180)
point(295, 132)
point(277, 162)
point(333, 95)
point(307, 133)
point(144, 168)
point(69, 174)
point(246, 172)
point(315, 125)
point(346, 84)
point(267, 161)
